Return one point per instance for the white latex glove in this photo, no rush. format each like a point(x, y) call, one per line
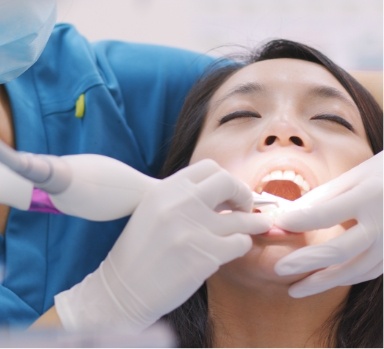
point(172, 243)
point(15, 191)
point(355, 256)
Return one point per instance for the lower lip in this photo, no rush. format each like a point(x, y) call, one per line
point(276, 232)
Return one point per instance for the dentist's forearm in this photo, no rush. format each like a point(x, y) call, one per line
point(48, 320)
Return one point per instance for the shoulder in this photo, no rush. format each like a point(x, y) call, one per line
point(141, 63)
point(70, 64)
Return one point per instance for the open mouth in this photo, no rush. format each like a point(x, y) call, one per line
point(285, 184)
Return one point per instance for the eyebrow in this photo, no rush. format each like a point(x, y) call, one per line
point(242, 89)
point(328, 92)
point(323, 91)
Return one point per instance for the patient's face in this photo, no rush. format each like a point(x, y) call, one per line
point(284, 126)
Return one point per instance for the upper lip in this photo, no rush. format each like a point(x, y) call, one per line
point(286, 164)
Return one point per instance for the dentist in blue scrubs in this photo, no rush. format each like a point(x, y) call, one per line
point(60, 94)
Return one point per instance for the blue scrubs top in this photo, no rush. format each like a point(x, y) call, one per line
point(133, 93)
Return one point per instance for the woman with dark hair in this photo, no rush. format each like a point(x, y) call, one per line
point(285, 120)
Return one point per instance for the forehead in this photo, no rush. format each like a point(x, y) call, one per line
point(280, 73)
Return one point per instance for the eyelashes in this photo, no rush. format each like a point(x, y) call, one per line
point(242, 114)
point(239, 115)
point(334, 118)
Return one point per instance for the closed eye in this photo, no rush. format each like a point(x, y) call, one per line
point(334, 118)
point(239, 114)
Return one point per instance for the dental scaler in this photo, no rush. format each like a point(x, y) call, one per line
point(89, 186)
point(264, 199)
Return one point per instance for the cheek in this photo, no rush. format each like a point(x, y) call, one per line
point(230, 158)
point(211, 148)
point(342, 155)
point(323, 235)
point(257, 266)
point(347, 162)
point(202, 152)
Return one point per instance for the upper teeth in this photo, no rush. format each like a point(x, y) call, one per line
point(287, 175)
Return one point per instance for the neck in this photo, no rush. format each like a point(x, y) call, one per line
point(268, 317)
point(6, 126)
point(6, 136)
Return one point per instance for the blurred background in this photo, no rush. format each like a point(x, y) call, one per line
point(348, 31)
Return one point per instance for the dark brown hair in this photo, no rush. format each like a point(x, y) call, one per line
point(360, 321)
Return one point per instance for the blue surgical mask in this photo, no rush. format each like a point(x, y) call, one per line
point(25, 26)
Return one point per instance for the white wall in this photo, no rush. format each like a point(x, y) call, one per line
point(349, 31)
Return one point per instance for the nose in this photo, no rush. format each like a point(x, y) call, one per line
point(284, 133)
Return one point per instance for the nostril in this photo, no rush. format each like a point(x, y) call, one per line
point(270, 140)
point(297, 141)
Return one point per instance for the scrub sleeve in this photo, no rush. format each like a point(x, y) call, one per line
point(113, 98)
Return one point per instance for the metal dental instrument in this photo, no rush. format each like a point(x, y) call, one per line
point(264, 199)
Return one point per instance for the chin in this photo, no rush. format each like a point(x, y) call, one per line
point(256, 268)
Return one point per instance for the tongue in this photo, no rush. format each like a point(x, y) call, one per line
point(285, 189)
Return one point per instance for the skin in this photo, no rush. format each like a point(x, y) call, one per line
point(6, 135)
point(281, 126)
point(372, 81)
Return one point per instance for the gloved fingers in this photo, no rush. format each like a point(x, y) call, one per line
point(222, 187)
point(198, 171)
point(315, 283)
point(324, 192)
point(337, 275)
point(225, 249)
point(337, 250)
point(327, 214)
point(374, 273)
point(240, 222)
point(373, 167)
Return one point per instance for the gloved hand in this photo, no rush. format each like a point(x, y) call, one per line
point(356, 255)
point(172, 243)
